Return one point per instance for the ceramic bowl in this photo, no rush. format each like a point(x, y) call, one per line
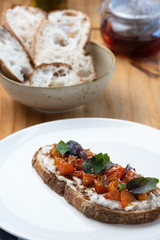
point(61, 99)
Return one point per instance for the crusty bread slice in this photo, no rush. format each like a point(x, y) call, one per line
point(14, 61)
point(23, 22)
point(54, 75)
point(51, 40)
point(74, 23)
point(44, 165)
point(53, 45)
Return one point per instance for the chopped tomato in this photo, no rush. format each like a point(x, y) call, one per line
point(78, 173)
point(114, 176)
point(99, 186)
point(130, 175)
point(114, 169)
point(79, 164)
point(88, 179)
point(72, 160)
point(89, 153)
point(65, 168)
point(113, 185)
point(58, 160)
point(126, 198)
point(113, 195)
point(141, 197)
point(148, 192)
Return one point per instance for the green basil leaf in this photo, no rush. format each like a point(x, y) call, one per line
point(121, 186)
point(141, 184)
point(96, 164)
point(62, 148)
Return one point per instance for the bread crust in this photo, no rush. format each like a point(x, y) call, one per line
point(91, 209)
point(48, 178)
point(72, 11)
point(56, 64)
point(8, 73)
point(5, 69)
point(102, 214)
point(6, 24)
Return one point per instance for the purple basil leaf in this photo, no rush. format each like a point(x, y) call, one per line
point(74, 148)
point(78, 148)
point(105, 184)
point(84, 155)
point(109, 166)
point(126, 170)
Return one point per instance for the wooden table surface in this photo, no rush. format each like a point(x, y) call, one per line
point(132, 94)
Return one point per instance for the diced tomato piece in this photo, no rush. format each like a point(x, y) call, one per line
point(78, 173)
point(115, 176)
point(126, 198)
point(99, 186)
point(90, 154)
point(65, 168)
point(141, 197)
point(114, 169)
point(79, 164)
point(113, 195)
point(130, 175)
point(148, 192)
point(88, 179)
point(113, 185)
point(58, 160)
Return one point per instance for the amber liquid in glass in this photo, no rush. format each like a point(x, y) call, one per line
point(49, 5)
point(130, 46)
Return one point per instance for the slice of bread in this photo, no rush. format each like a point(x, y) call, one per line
point(14, 61)
point(54, 75)
point(51, 40)
point(77, 195)
point(23, 22)
point(74, 23)
point(53, 45)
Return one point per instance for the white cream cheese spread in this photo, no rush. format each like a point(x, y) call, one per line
point(152, 201)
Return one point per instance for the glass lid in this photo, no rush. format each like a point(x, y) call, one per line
point(135, 9)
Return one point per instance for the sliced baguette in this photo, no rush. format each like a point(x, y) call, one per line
point(23, 21)
point(53, 45)
point(74, 23)
point(54, 75)
point(51, 40)
point(44, 165)
point(14, 61)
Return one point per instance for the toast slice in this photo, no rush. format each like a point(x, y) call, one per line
point(74, 23)
point(14, 61)
point(54, 75)
point(23, 21)
point(53, 45)
point(61, 166)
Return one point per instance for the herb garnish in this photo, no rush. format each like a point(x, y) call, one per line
point(141, 185)
point(62, 148)
point(70, 148)
point(96, 164)
point(121, 186)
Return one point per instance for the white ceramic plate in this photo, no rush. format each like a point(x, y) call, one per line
point(28, 208)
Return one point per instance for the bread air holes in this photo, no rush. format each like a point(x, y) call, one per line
point(60, 73)
point(60, 41)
